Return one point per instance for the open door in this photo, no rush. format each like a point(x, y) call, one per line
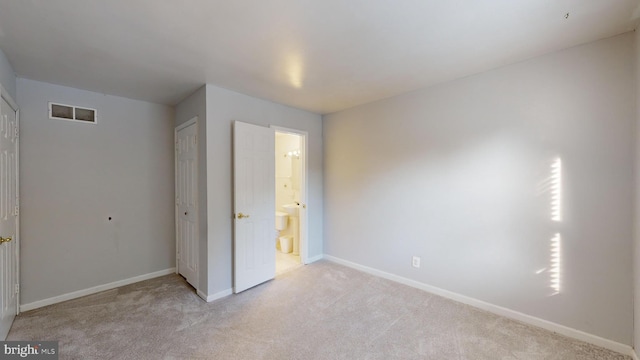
point(254, 205)
point(9, 231)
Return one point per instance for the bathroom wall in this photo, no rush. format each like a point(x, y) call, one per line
point(455, 174)
point(287, 170)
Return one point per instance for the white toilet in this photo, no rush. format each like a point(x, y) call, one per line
point(281, 224)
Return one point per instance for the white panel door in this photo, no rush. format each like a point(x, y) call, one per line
point(187, 203)
point(254, 205)
point(8, 217)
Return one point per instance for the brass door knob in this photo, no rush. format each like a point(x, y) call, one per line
point(242, 216)
point(5, 240)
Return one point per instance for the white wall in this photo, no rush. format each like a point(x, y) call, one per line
point(192, 106)
point(74, 176)
point(223, 108)
point(7, 76)
point(454, 174)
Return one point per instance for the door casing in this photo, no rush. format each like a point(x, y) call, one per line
point(304, 191)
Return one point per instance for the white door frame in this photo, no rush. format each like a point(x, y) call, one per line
point(304, 190)
point(192, 121)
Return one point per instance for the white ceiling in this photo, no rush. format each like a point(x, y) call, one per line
point(318, 55)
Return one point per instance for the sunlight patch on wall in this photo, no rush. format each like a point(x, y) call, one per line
point(556, 216)
point(556, 190)
point(552, 187)
point(555, 262)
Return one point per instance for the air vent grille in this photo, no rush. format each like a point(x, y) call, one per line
point(72, 113)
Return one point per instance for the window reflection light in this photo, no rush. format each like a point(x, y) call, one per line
point(555, 262)
point(556, 190)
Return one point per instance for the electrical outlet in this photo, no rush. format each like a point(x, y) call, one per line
point(415, 262)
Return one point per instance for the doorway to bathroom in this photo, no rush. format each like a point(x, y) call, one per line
point(291, 199)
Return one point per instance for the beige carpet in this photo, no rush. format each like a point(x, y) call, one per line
point(318, 311)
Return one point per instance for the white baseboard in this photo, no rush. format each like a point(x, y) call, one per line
point(216, 296)
point(93, 290)
point(314, 259)
point(499, 310)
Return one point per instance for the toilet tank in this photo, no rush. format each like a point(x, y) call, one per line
point(281, 220)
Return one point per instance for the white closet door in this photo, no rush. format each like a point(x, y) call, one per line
point(8, 216)
point(187, 203)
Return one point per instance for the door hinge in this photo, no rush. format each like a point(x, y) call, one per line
point(17, 288)
point(16, 211)
point(16, 132)
point(195, 139)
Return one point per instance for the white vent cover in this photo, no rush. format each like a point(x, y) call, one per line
point(72, 113)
